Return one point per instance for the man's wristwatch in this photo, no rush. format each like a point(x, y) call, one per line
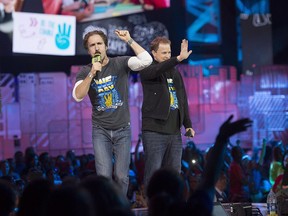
point(130, 41)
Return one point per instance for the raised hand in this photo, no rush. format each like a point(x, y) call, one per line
point(123, 34)
point(229, 128)
point(184, 53)
point(216, 158)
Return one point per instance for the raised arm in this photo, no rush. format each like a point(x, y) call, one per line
point(185, 52)
point(156, 70)
point(216, 158)
point(142, 58)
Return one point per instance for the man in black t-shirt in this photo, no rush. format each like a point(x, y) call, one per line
point(105, 81)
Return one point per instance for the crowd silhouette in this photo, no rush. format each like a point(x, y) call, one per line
point(39, 184)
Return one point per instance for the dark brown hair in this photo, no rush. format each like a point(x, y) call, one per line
point(96, 32)
point(154, 45)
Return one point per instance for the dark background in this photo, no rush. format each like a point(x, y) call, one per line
point(175, 20)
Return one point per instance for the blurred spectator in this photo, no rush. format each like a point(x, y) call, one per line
point(34, 198)
point(19, 162)
point(53, 176)
point(12, 166)
point(192, 166)
point(166, 193)
point(238, 179)
point(276, 167)
point(29, 151)
point(194, 177)
point(108, 199)
point(74, 162)
point(46, 161)
point(265, 167)
point(83, 170)
point(33, 174)
point(278, 181)
point(192, 155)
point(140, 198)
point(4, 168)
point(33, 169)
point(8, 199)
point(133, 183)
point(69, 201)
point(166, 181)
point(255, 181)
point(91, 162)
point(20, 185)
point(221, 188)
point(64, 167)
point(71, 158)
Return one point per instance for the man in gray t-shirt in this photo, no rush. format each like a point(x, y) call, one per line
point(105, 81)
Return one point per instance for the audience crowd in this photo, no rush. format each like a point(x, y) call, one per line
point(39, 184)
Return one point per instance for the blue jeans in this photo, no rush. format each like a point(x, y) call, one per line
point(112, 154)
point(161, 151)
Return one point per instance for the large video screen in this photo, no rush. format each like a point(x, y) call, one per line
point(35, 33)
point(86, 10)
point(44, 29)
point(142, 28)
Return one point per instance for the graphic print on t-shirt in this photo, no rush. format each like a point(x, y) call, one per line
point(173, 96)
point(108, 97)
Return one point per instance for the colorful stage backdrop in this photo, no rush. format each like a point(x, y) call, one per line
point(38, 108)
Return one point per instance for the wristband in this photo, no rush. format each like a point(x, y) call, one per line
point(90, 75)
point(130, 41)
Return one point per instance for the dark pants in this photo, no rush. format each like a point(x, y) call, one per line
point(161, 151)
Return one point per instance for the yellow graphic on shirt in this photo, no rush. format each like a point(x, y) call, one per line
point(108, 98)
point(173, 96)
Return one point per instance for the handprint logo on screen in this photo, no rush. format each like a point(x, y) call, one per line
point(62, 38)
